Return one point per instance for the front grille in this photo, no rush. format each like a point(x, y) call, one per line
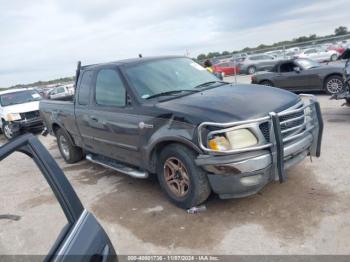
point(290, 124)
point(30, 115)
point(265, 130)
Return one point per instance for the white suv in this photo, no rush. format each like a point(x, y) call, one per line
point(19, 110)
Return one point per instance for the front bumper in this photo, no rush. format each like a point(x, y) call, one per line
point(244, 172)
point(34, 123)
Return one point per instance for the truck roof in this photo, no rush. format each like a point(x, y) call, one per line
point(14, 90)
point(131, 61)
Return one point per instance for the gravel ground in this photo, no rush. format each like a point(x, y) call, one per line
point(309, 214)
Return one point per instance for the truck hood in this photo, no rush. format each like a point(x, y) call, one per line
point(21, 108)
point(232, 103)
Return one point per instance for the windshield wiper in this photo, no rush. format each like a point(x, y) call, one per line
point(172, 92)
point(210, 83)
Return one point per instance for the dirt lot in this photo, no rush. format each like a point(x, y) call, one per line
point(309, 214)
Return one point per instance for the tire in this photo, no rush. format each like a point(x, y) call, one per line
point(334, 57)
point(178, 161)
point(251, 70)
point(333, 84)
point(347, 100)
point(8, 133)
point(70, 153)
point(266, 83)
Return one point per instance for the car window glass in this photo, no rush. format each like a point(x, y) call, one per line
point(255, 58)
point(31, 217)
point(310, 51)
point(110, 90)
point(287, 67)
point(84, 88)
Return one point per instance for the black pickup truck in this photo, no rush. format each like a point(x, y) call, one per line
point(169, 116)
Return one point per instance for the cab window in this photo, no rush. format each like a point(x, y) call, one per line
point(110, 90)
point(84, 88)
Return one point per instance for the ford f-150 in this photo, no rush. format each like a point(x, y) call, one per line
point(169, 116)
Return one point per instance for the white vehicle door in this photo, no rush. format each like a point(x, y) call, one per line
point(312, 54)
point(323, 55)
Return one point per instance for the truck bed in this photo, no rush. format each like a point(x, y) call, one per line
point(59, 112)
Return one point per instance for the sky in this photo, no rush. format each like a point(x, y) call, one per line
point(44, 39)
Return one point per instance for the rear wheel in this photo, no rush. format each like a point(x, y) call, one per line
point(70, 153)
point(266, 83)
point(334, 84)
point(184, 183)
point(251, 70)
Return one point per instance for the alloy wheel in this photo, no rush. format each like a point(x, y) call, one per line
point(8, 132)
point(334, 85)
point(64, 146)
point(176, 177)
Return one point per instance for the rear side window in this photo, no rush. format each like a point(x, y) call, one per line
point(255, 58)
point(110, 90)
point(84, 88)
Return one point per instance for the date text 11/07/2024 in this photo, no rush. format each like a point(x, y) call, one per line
point(173, 258)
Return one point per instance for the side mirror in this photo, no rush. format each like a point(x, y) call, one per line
point(297, 69)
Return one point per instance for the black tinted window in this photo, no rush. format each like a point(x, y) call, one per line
point(84, 88)
point(110, 89)
point(287, 67)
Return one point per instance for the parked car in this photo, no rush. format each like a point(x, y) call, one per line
point(277, 54)
point(340, 49)
point(19, 111)
point(228, 68)
point(319, 54)
point(302, 75)
point(82, 238)
point(60, 92)
point(171, 117)
point(254, 63)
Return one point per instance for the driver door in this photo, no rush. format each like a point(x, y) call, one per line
point(81, 238)
point(288, 78)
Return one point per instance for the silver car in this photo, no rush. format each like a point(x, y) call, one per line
point(254, 63)
point(319, 54)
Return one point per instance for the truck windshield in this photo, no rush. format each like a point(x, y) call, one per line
point(19, 97)
point(168, 76)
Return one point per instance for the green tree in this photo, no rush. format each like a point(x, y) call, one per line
point(213, 54)
point(225, 53)
point(341, 30)
point(201, 57)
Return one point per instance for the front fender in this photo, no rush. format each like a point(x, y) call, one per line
point(166, 135)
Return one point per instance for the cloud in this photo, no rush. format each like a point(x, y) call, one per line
point(43, 39)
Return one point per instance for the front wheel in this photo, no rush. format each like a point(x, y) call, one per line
point(70, 153)
point(184, 183)
point(334, 84)
point(334, 57)
point(9, 133)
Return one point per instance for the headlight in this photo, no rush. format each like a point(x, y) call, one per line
point(235, 139)
point(13, 117)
